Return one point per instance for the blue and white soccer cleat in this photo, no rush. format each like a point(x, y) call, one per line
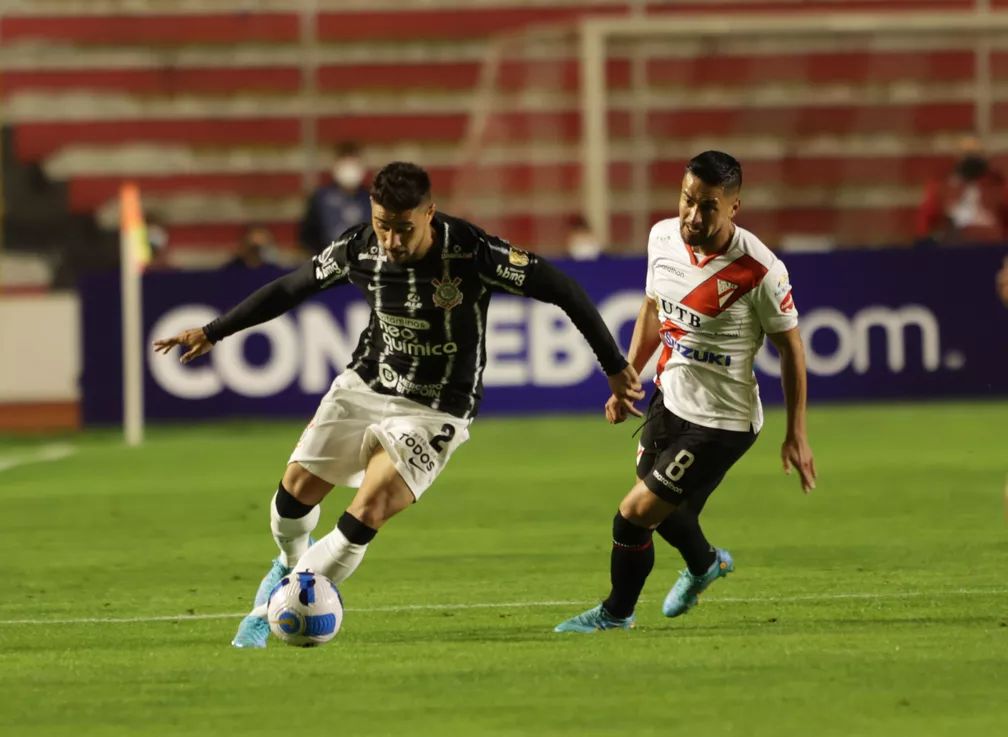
point(686, 591)
point(595, 619)
point(253, 631)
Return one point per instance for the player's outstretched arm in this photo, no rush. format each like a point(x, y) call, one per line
point(267, 302)
point(795, 451)
point(548, 284)
point(519, 272)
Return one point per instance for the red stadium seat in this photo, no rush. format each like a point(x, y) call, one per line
point(155, 81)
point(512, 76)
point(449, 23)
point(36, 140)
point(88, 193)
point(808, 121)
point(148, 29)
point(734, 70)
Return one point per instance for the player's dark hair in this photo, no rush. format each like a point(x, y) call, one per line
point(400, 186)
point(717, 169)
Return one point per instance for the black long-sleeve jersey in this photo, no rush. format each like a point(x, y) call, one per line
point(426, 336)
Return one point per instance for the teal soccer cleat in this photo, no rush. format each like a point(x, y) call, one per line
point(270, 580)
point(596, 618)
point(254, 630)
point(685, 594)
point(252, 633)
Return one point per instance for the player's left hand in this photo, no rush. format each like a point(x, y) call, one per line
point(194, 339)
point(797, 452)
point(626, 389)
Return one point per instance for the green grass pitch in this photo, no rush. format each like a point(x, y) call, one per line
point(876, 606)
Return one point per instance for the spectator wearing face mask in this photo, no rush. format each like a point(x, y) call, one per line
point(336, 206)
point(582, 243)
point(967, 205)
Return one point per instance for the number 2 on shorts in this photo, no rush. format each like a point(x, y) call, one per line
point(675, 470)
point(447, 433)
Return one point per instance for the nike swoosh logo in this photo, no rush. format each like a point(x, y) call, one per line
point(416, 466)
point(374, 287)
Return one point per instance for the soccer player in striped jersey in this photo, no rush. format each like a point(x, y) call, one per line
point(713, 291)
point(390, 422)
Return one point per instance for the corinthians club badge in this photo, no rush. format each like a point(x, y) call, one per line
point(518, 257)
point(447, 294)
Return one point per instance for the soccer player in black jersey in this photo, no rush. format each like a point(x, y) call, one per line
point(390, 422)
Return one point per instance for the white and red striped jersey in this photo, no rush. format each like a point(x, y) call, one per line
point(714, 312)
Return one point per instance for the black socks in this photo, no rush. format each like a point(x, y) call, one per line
point(681, 530)
point(631, 561)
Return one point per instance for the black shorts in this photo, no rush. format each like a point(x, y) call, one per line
point(682, 462)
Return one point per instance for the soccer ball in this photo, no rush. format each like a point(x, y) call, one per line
point(305, 609)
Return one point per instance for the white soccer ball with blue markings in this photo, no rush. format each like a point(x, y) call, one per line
point(305, 609)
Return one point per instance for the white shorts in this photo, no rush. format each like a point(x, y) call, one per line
point(352, 420)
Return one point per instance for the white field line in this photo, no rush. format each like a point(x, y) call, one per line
point(46, 453)
point(524, 605)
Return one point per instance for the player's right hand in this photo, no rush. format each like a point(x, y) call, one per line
point(615, 410)
point(194, 339)
point(797, 453)
point(626, 389)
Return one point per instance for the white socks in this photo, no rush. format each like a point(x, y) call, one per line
point(291, 535)
point(333, 556)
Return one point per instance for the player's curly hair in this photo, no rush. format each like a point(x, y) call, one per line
point(717, 169)
point(400, 186)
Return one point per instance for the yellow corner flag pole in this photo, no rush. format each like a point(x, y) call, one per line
point(134, 253)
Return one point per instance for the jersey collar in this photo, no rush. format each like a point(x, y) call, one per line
point(701, 262)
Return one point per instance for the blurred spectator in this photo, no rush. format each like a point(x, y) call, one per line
point(157, 237)
point(335, 207)
point(256, 248)
point(582, 243)
point(1002, 282)
point(969, 204)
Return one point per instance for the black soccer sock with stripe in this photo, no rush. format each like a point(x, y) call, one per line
point(681, 530)
point(629, 565)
